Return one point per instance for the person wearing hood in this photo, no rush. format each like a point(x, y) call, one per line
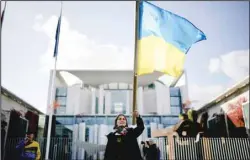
point(122, 143)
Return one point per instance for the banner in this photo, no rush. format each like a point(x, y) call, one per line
point(234, 109)
point(246, 114)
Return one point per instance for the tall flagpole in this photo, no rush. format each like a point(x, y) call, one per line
point(135, 80)
point(51, 107)
point(51, 110)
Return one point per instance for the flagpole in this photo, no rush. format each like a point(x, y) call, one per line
point(52, 94)
point(3, 13)
point(51, 109)
point(135, 78)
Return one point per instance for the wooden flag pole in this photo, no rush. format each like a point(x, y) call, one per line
point(135, 80)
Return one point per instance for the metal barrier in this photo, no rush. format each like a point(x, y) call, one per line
point(60, 149)
point(170, 149)
point(204, 148)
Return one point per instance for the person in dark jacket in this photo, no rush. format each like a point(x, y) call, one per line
point(152, 152)
point(122, 144)
point(3, 134)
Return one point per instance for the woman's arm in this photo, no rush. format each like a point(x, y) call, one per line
point(139, 128)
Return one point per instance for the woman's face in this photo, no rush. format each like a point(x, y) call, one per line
point(121, 121)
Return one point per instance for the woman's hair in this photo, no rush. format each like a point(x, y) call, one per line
point(117, 119)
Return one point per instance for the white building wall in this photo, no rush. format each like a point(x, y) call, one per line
point(183, 84)
point(82, 131)
point(85, 102)
point(128, 102)
point(162, 99)
point(108, 102)
point(73, 99)
point(95, 128)
point(153, 126)
point(221, 107)
point(184, 93)
point(75, 138)
point(149, 101)
point(91, 134)
point(93, 100)
point(100, 100)
point(7, 104)
point(145, 134)
point(140, 100)
point(102, 132)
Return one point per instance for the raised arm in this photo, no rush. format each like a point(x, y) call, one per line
point(139, 125)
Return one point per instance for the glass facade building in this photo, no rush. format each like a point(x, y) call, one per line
point(64, 124)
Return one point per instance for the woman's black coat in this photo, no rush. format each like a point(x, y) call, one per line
point(125, 147)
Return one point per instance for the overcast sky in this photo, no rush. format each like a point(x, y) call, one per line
point(101, 35)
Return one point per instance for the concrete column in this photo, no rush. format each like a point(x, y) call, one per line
point(93, 100)
point(107, 102)
point(82, 131)
point(128, 102)
point(100, 101)
point(140, 100)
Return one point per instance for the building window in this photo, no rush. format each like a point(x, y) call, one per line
point(151, 86)
point(111, 120)
point(61, 101)
point(175, 101)
point(61, 110)
point(175, 92)
point(61, 98)
point(87, 134)
point(96, 105)
point(118, 100)
point(149, 132)
point(175, 110)
point(61, 91)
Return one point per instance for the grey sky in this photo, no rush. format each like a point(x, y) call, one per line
point(101, 34)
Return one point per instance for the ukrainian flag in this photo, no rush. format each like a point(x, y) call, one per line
point(163, 41)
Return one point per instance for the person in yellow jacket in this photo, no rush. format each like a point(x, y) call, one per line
point(30, 148)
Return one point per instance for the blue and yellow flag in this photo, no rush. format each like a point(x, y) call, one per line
point(164, 39)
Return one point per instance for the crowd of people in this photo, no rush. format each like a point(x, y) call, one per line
point(122, 143)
